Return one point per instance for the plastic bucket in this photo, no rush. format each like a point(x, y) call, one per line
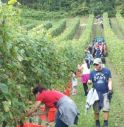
point(30, 125)
point(51, 114)
point(67, 92)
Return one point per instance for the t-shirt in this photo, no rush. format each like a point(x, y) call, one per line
point(85, 69)
point(100, 79)
point(98, 53)
point(49, 97)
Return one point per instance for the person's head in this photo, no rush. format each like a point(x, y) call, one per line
point(97, 64)
point(38, 89)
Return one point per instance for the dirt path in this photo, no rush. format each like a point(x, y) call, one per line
point(79, 32)
point(116, 29)
point(83, 20)
point(97, 29)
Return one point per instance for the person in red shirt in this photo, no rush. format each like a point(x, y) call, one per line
point(67, 113)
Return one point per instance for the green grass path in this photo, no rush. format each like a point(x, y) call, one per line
point(117, 105)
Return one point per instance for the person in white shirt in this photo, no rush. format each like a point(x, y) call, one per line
point(85, 69)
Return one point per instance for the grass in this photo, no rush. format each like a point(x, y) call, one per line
point(83, 20)
point(85, 120)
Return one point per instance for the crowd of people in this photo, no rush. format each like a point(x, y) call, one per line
point(93, 71)
point(99, 77)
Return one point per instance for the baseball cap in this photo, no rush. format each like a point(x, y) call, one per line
point(97, 61)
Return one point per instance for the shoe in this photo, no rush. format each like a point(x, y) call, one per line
point(97, 125)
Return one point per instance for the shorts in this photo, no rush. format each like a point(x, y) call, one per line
point(106, 105)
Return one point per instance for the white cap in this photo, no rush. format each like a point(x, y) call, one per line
point(97, 61)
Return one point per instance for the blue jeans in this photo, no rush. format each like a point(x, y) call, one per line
point(59, 123)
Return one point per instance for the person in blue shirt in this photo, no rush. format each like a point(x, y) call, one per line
point(100, 77)
point(88, 57)
point(98, 53)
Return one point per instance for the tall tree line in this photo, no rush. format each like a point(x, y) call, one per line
point(78, 7)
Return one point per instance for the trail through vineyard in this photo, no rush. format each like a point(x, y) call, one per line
point(116, 29)
point(117, 110)
point(79, 32)
point(81, 29)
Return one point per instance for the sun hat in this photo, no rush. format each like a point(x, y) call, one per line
point(97, 61)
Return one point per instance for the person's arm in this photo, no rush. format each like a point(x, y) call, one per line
point(34, 108)
point(110, 84)
point(80, 67)
point(110, 92)
point(110, 81)
point(90, 79)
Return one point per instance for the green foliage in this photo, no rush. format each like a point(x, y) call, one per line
point(24, 61)
point(116, 46)
point(29, 23)
point(57, 28)
point(27, 58)
point(12, 97)
point(119, 6)
point(42, 15)
point(98, 7)
point(47, 25)
point(70, 30)
point(80, 7)
point(3, 88)
point(120, 21)
point(70, 33)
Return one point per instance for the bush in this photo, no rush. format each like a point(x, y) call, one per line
point(47, 24)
